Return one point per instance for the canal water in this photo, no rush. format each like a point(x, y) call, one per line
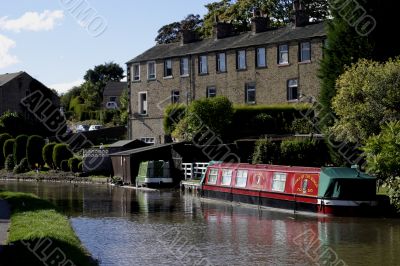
point(127, 227)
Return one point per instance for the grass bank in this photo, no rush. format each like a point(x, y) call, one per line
point(40, 235)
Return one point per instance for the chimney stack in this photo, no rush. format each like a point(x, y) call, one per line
point(300, 18)
point(259, 22)
point(189, 36)
point(222, 29)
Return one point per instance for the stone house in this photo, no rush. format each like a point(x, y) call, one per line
point(112, 93)
point(263, 66)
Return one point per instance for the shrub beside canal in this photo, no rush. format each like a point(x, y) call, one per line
point(39, 234)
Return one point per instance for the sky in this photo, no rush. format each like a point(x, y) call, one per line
point(57, 41)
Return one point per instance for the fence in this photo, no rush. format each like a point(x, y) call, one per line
point(194, 170)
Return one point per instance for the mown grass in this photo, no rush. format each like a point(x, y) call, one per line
point(40, 234)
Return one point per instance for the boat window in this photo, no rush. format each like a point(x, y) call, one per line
point(212, 176)
point(279, 181)
point(241, 178)
point(226, 177)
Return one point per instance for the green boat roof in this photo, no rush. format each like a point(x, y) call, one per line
point(330, 175)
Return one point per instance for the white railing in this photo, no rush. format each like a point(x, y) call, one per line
point(194, 170)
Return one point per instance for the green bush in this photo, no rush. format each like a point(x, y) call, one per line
point(80, 167)
point(8, 147)
point(9, 164)
point(20, 148)
point(47, 154)
point(265, 151)
point(302, 126)
point(3, 138)
point(73, 164)
point(61, 152)
point(303, 153)
point(22, 167)
point(64, 166)
point(172, 115)
point(34, 149)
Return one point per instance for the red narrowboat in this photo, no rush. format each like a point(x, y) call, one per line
point(329, 190)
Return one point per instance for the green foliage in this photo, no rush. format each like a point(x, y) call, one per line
point(8, 147)
point(124, 107)
point(91, 95)
point(67, 97)
point(20, 148)
point(265, 151)
point(302, 126)
point(3, 138)
point(64, 166)
point(73, 164)
point(368, 93)
point(34, 150)
point(15, 124)
point(61, 152)
point(382, 154)
point(303, 153)
point(80, 167)
point(210, 116)
point(22, 167)
point(47, 154)
point(173, 113)
point(172, 32)
point(9, 164)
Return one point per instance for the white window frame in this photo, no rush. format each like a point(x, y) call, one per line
point(153, 75)
point(281, 52)
point(241, 175)
point(279, 182)
point(142, 108)
point(304, 49)
point(203, 65)
point(290, 87)
point(241, 59)
point(247, 93)
point(263, 57)
point(148, 140)
point(174, 95)
point(135, 76)
point(221, 62)
point(226, 177)
point(212, 176)
point(184, 66)
point(168, 66)
point(211, 95)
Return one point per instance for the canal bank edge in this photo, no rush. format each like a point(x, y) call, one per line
point(4, 223)
point(39, 233)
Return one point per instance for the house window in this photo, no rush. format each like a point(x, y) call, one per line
point(292, 90)
point(250, 93)
point(151, 70)
point(136, 72)
point(211, 92)
point(261, 59)
point(175, 96)
point(278, 182)
point(142, 103)
point(212, 177)
point(184, 66)
point(241, 178)
point(241, 59)
point(168, 68)
point(283, 54)
point(226, 177)
point(305, 51)
point(221, 62)
point(148, 140)
point(203, 64)
point(113, 99)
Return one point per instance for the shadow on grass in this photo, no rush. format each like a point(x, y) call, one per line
point(23, 202)
point(44, 251)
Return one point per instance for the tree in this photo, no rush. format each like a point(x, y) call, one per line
point(34, 149)
point(92, 95)
point(3, 138)
point(47, 154)
point(20, 148)
point(368, 95)
point(172, 32)
point(8, 147)
point(68, 96)
point(61, 153)
point(124, 106)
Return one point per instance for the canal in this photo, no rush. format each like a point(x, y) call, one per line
point(127, 227)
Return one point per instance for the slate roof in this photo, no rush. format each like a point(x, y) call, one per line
point(115, 88)
point(247, 39)
point(5, 78)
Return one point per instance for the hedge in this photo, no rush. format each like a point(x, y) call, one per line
point(80, 167)
point(9, 164)
point(64, 166)
point(265, 151)
point(73, 164)
point(34, 149)
point(3, 138)
point(22, 167)
point(47, 154)
point(8, 147)
point(172, 115)
point(61, 152)
point(20, 148)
